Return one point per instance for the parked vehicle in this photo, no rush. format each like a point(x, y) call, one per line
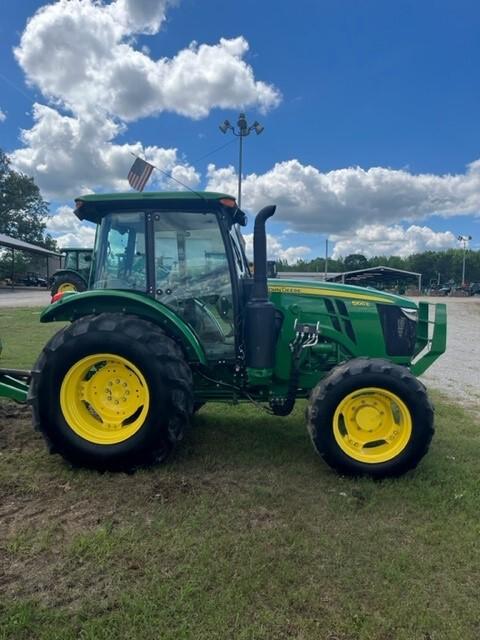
point(33, 280)
point(75, 271)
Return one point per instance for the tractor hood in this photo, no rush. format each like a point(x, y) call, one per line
point(336, 290)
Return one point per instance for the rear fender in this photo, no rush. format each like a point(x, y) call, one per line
point(68, 272)
point(75, 305)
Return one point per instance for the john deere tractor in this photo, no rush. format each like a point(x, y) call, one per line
point(174, 319)
point(74, 274)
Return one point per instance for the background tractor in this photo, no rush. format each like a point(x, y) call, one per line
point(174, 319)
point(74, 274)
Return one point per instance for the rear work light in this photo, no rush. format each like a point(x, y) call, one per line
point(58, 296)
point(228, 202)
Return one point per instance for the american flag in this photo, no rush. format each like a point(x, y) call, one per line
point(139, 174)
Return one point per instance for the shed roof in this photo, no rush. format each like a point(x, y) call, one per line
point(388, 273)
point(14, 243)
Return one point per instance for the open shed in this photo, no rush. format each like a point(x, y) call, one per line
point(42, 261)
point(379, 277)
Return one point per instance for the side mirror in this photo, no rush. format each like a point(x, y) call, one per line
point(240, 218)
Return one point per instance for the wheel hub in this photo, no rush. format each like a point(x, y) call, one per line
point(368, 418)
point(104, 398)
point(372, 425)
point(66, 286)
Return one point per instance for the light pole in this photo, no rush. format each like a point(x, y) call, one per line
point(326, 259)
point(464, 240)
point(242, 131)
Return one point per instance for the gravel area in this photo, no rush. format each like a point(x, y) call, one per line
point(456, 373)
point(24, 297)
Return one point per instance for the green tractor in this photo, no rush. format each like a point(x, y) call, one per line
point(75, 272)
point(174, 319)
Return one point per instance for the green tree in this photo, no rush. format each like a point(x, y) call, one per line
point(435, 266)
point(23, 211)
point(355, 261)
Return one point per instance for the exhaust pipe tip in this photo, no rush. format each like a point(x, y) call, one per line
point(260, 291)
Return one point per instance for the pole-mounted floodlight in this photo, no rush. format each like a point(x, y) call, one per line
point(257, 127)
point(464, 240)
point(225, 126)
point(243, 129)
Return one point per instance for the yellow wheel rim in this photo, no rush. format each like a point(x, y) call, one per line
point(104, 398)
point(372, 425)
point(66, 286)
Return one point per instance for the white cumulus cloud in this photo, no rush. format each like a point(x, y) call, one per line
point(276, 249)
point(345, 199)
point(380, 240)
point(68, 231)
point(70, 156)
point(81, 54)
point(3, 116)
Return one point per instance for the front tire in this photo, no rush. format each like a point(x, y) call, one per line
point(112, 392)
point(66, 283)
point(370, 417)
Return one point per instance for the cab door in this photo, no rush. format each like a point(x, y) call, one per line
point(192, 276)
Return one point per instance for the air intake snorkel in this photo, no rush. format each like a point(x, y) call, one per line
point(260, 312)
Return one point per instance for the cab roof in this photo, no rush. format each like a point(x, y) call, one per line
point(94, 206)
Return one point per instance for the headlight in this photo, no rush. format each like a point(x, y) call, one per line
point(399, 326)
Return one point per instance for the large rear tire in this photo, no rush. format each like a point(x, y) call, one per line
point(67, 282)
point(112, 392)
point(370, 417)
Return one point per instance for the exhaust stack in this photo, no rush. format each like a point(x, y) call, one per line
point(260, 312)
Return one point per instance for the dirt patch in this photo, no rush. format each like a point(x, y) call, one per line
point(11, 413)
point(48, 510)
point(40, 518)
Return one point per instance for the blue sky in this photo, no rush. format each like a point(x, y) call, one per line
point(370, 111)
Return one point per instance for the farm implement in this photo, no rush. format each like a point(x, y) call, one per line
point(14, 384)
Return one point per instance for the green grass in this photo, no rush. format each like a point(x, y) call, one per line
point(245, 534)
point(23, 336)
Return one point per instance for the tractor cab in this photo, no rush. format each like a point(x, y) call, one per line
point(183, 250)
point(75, 271)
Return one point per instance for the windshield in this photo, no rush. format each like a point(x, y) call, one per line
point(71, 260)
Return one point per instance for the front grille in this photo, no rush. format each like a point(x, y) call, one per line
point(400, 332)
point(340, 314)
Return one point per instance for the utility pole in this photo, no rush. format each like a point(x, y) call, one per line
point(326, 258)
point(464, 240)
point(242, 131)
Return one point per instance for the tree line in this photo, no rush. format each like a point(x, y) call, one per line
point(435, 266)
